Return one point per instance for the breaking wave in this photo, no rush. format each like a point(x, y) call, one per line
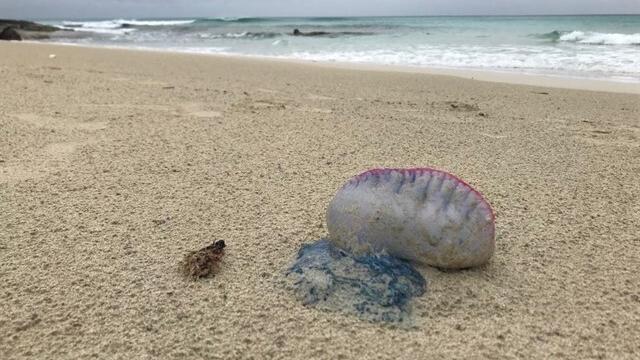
point(241, 35)
point(119, 26)
point(596, 38)
point(590, 37)
point(238, 19)
point(114, 24)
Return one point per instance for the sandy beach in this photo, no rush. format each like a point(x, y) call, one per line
point(115, 163)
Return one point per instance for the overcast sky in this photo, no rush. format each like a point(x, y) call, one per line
point(50, 9)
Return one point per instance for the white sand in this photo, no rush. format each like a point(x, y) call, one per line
point(113, 164)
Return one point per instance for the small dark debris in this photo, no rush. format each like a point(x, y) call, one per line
point(160, 221)
point(601, 131)
point(168, 87)
point(482, 114)
point(204, 262)
point(33, 321)
point(460, 106)
point(540, 92)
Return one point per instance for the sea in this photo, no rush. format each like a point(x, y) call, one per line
point(596, 46)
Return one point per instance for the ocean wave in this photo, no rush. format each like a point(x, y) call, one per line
point(159, 22)
point(241, 35)
point(237, 19)
point(115, 23)
point(553, 35)
point(121, 25)
point(622, 63)
point(596, 38)
point(329, 18)
point(99, 27)
point(270, 35)
point(590, 37)
point(102, 31)
point(105, 24)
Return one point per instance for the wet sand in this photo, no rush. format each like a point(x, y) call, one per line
point(115, 163)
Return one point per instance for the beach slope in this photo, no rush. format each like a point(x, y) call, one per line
point(114, 164)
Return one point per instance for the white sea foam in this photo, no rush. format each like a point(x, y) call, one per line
point(100, 30)
point(597, 38)
point(159, 22)
point(107, 24)
point(236, 35)
point(499, 58)
point(118, 26)
point(112, 24)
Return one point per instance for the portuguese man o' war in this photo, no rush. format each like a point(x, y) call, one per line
point(422, 215)
point(380, 223)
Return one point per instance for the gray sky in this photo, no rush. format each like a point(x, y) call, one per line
point(50, 9)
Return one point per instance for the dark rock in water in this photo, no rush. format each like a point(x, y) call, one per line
point(374, 287)
point(10, 33)
point(317, 33)
point(297, 32)
point(27, 25)
point(27, 30)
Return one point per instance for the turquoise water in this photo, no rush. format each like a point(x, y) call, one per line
point(584, 46)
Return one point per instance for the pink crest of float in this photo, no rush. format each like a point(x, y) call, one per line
point(420, 171)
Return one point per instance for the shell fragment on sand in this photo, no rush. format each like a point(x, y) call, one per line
point(423, 215)
point(204, 262)
point(374, 287)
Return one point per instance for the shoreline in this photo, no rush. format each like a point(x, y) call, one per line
point(495, 76)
